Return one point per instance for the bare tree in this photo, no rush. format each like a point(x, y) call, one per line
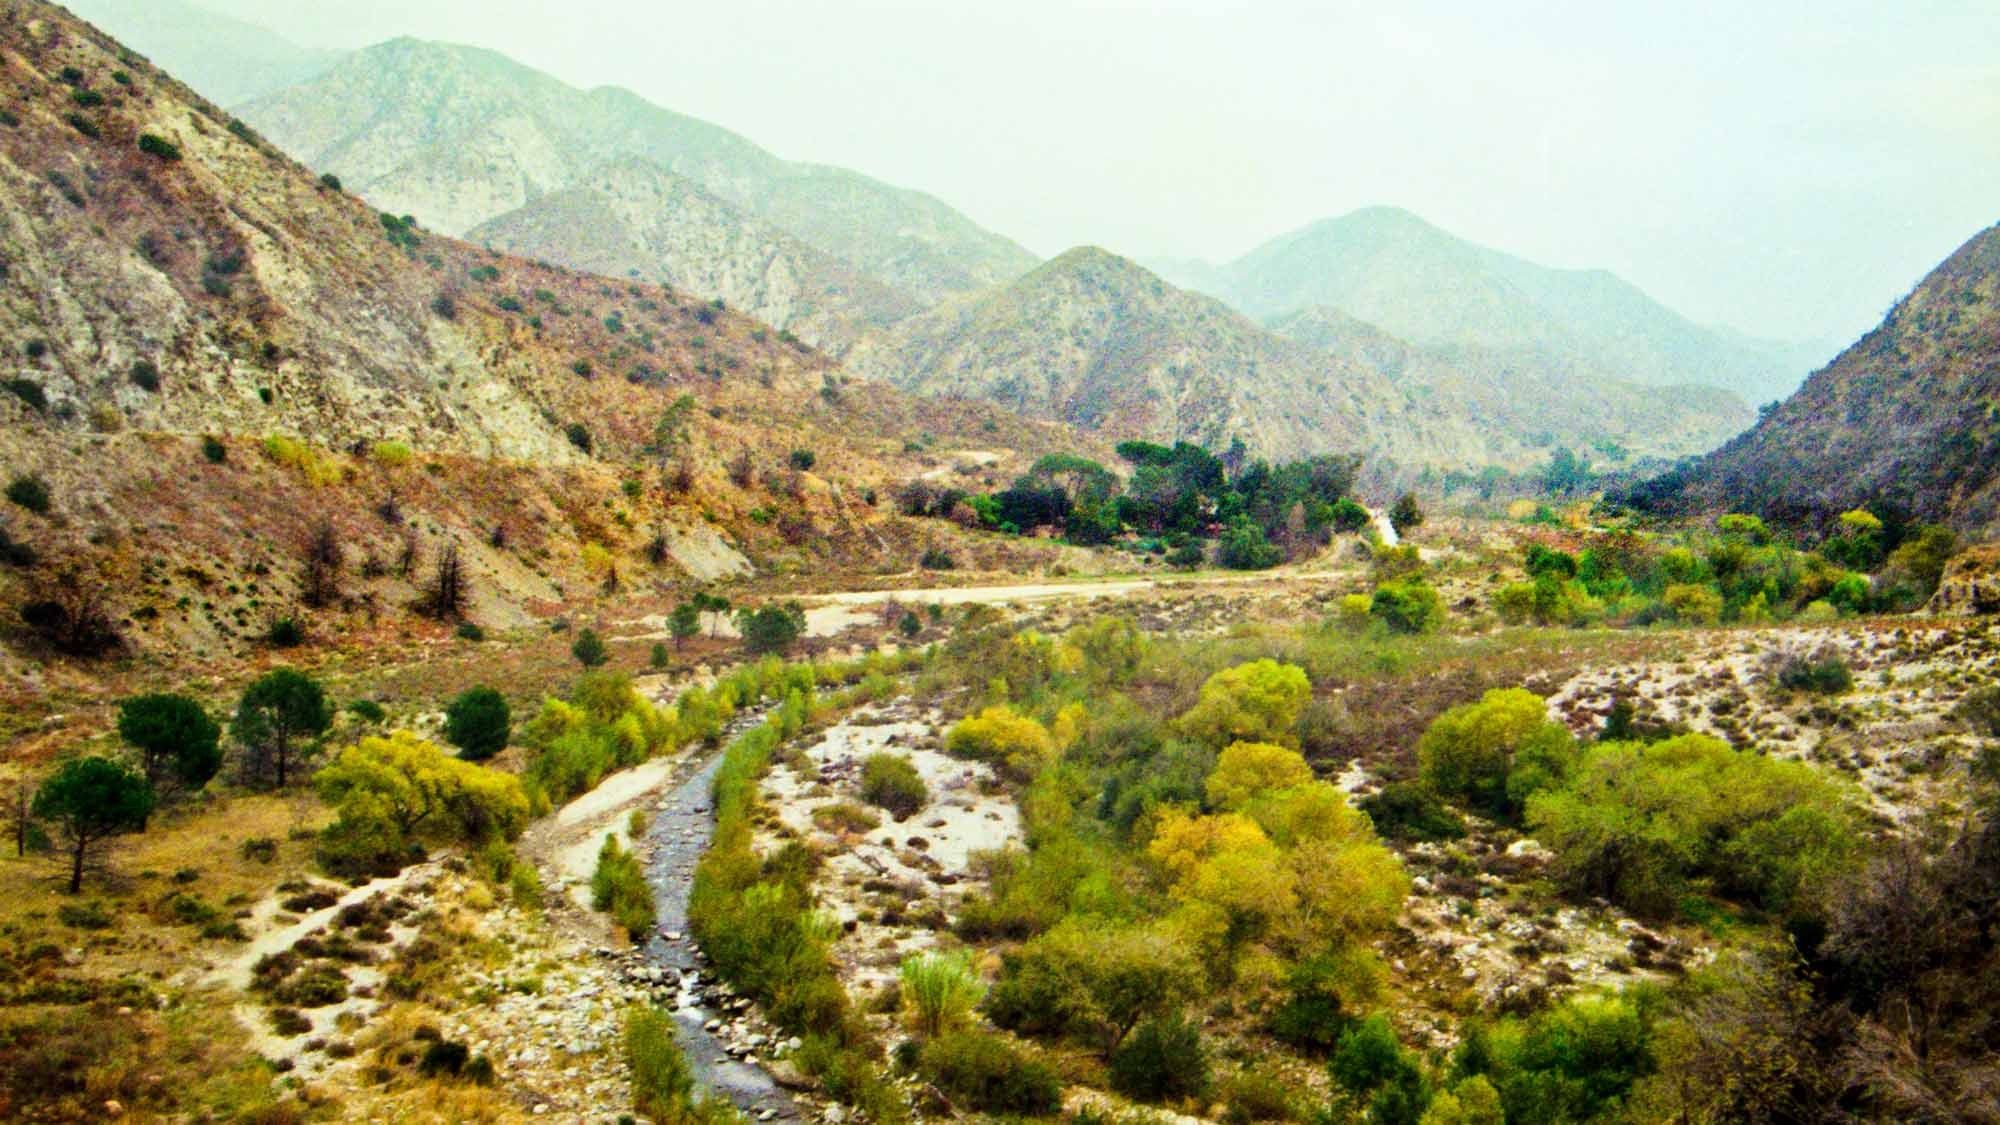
point(445, 599)
point(324, 561)
point(69, 612)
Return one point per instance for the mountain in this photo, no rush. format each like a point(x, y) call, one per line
point(460, 137)
point(632, 219)
point(1909, 416)
point(1393, 269)
point(1609, 420)
point(226, 60)
point(1097, 341)
point(210, 352)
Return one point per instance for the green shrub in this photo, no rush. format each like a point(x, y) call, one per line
point(1162, 1060)
point(889, 781)
point(618, 886)
point(1407, 607)
point(1244, 547)
point(1409, 810)
point(1826, 674)
point(317, 986)
point(84, 915)
point(989, 1075)
point(154, 145)
point(31, 492)
point(1258, 1094)
point(1497, 752)
point(662, 1081)
point(285, 632)
point(772, 628)
point(589, 649)
point(939, 989)
point(479, 723)
point(1979, 710)
point(29, 392)
point(937, 559)
point(212, 449)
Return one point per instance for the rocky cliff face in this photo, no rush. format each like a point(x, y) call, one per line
point(1909, 416)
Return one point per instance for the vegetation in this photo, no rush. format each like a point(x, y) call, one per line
point(278, 723)
point(394, 792)
point(479, 723)
point(618, 887)
point(891, 783)
point(91, 801)
point(175, 737)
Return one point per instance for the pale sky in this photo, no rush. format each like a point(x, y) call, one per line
point(1785, 167)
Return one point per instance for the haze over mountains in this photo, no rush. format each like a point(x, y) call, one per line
point(1375, 331)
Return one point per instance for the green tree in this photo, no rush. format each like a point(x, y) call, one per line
point(478, 722)
point(589, 649)
point(1255, 702)
point(1407, 515)
point(1410, 606)
point(92, 800)
point(1244, 547)
point(772, 628)
point(1494, 753)
point(278, 722)
point(174, 736)
point(684, 622)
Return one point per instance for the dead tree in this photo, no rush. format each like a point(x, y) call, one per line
point(324, 561)
point(445, 599)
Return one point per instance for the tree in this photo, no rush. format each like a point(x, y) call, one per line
point(173, 734)
point(279, 717)
point(1472, 752)
point(1093, 978)
point(1411, 606)
point(478, 722)
point(321, 584)
point(390, 790)
point(1011, 742)
point(1255, 702)
point(445, 599)
point(589, 649)
point(92, 800)
point(1244, 547)
point(1248, 770)
point(684, 622)
point(716, 606)
point(1407, 515)
point(772, 628)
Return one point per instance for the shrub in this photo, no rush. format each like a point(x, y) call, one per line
point(1255, 702)
point(1407, 607)
point(662, 1083)
point(1979, 710)
point(469, 631)
point(29, 491)
point(1826, 674)
point(1495, 753)
point(1408, 810)
point(29, 392)
point(391, 453)
point(1244, 547)
point(1692, 604)
point(330, 182)
point(889, 781)
point(989, 1075)
point(1162, 1060)
point(803, 459)
point(937, 559)
point(84, 915)
point(154, 145)
point(478, 722)
point(1014, 744)
point(1250, 770)
point(315, 987)
point(289, 1022)
point(1406, 515)
point(285, 632)
point(618, 887)
point(579, 436)
point(939, 989)
point(212, 449)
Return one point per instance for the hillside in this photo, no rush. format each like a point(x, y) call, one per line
point(1392, 269)
point(226, 60)
point(459, 136)
point(1096, 341)
point(1907, 417)
point(213, 354)
point(1539, 404)
point(632, 219)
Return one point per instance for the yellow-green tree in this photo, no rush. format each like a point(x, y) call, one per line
point(1011, 742)
point(1254, 702)
point(395, 790)
point(1494, 753)
point(1248, 770)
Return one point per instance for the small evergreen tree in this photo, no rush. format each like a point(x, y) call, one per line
point(684, 621)
point(589, 649)
point(277, 722)
point(478, 723)
point(1407, 515)
point(92, 800)
point(174, 736)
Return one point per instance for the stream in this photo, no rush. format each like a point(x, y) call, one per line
point(682, 824)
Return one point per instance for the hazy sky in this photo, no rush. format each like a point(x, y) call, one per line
point(1782, 166)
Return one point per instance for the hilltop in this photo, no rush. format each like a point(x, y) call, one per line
point(460, 136)
point(228, 60)
point(1392, 269)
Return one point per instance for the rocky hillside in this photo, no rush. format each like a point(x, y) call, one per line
point(1392, 269)
point(1909, 416)
point(460, 137)
point(227, 60)
point(211, 355)
point(1096, 341)
point(633, 219)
